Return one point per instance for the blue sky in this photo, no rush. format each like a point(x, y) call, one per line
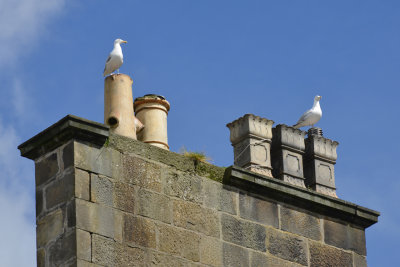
point(214, 61)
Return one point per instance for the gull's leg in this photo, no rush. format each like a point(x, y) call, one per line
point(118, 71)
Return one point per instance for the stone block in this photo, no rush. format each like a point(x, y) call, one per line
point(142, 173)
point(139, 231)
point(288, 148)
point(82, 263)
point(183, 186)
point(104, 160)
point(107, 252)
point(155, 206)
point(220, 197)
point(39, 202)
point(359, 261)
point(98, 219)
point(251, 138)
point(234, 256)
point(176, 241)
point(243, 233)
point(49, 228)
point(287, 246)
point(258, 210)
point(300, 223)
point(41, 257)
point(194, 217)
point(156, 258)
point(82, 181)
point(68, 154)
point(320, 159)
point(344, 236)
point(63, 250)
point(325, 256)
point(60, 191)
point(83, 245)
point(124, 197)
point(46, 169)
point(211, 251)
point(101, 190)
point(262, 260)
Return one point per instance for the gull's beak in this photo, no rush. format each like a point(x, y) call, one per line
point(124, 42)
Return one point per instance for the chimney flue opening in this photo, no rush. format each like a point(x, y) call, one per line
point(113, 122)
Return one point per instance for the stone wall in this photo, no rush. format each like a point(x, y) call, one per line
point(107, 200)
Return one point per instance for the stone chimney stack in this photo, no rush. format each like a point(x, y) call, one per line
point(284, 153)
point(251, 140)
point(103, 199)
point(287, 154)
point(152, 111)
point(118, 110)
point(320, 158)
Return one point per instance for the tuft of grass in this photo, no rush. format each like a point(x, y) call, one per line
point(196, 156)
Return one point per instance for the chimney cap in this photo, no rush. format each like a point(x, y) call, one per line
point(151, 98)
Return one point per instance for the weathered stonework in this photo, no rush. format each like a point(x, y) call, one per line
point(320, 158)
point(122, 202)
point(287, 154)
point(251, 140)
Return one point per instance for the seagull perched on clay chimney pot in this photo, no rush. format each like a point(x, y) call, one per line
point(115, 59)
point(311, 116)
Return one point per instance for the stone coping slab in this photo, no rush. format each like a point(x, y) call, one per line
point(300, 197)
point(69, 127)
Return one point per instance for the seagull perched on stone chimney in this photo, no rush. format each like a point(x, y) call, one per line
point(115, 59)
point(311, 116)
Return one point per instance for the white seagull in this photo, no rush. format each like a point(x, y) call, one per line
point(115, 59)
point(311, 116)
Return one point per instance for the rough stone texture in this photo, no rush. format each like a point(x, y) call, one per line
point(326, 256)
point(124, 197)
point(155, 206)
point(300, 223)
point(82, 263)
point(46, 169)
point(258, 210)
point(344, 236)
point(164, 260)
point(101, 190)
point(107, 252)
point(220, 197)
point(68, 154)
point(287, 246)
point(49, 228)
point(63, 250)
point(82, 181)
point(83, 245)
point(359, 261)
point(98, 219)
point(139, 231)
point(60, 191)
point(103, 161)
point(211, 251)
point(243, 233)
point(183, 186)
point(142, 173)
point(262, 260)
point(179, 242)
point(234, 256)
point(41, 258)
point(39, 202)
point(194, 217)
